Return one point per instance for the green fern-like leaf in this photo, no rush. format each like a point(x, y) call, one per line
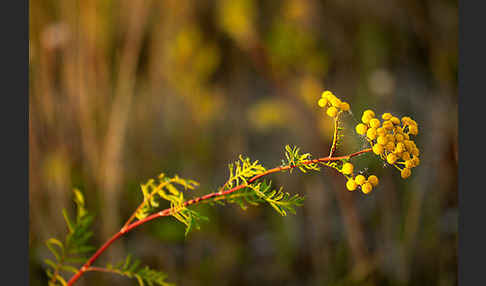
point(75, 244)
point(143, 274)
point(295, 159)
point(167, 189)
point(262, 192)
point(241, 171)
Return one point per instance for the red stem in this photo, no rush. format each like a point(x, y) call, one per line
point(168, 212)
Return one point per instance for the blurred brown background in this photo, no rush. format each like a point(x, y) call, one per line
point(123, 90)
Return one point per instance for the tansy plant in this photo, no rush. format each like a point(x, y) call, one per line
point(389, 139)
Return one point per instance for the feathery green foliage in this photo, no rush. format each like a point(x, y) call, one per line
point(296, 159)
point(144, 275)
point(166, 189)
point(243, 170)
point(262, 192)
point(75, 245)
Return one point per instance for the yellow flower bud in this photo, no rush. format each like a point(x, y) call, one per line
point(391, 158)
point(395, 120)
point(327, 95)
point(336, 102)
point(416, 161)
point(390, 146)
point(409, 164)
point(378, 149)
point(322, 102)
point(360, 179)
point(386, 116)
point(399, 137)
point(400, 147)
point(415, 151)
point(381, 131)
point(405, 156)
point(373, 180)
point(345, 106)
point(332, 111)
point(381, 140)
point(361, 129)
point(366, 188)
point(366, 118)
point(406, 120)
point(351, 185)
point(375, 123)
point(387, 125)
point(369, 113)
point(371, 133)
point(412, 129)
point(406, 172)
point(347, 168)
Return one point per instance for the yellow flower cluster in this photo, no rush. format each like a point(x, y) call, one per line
point(333, 104)
point(360, 180)
point(390, 139)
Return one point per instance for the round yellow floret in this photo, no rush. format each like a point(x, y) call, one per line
point(336, 102)
point(347, 168)
point(406, 120)
point(373, 180)
point(387, 125)
point(386, 116)
point(378, 149)
point(361, 129)
point(391, 158)
point(399, 137)
point(416, 161)
point(371, 133)
point(405, 156)
point(322, 102)
point(415, 151)
point(345, 106)
point(390, 137)
point(400, 147)
point(375, 123)
point(390, 146)
point(366, 118)
point(332, 111)
point(381, 140)
point(409, 164)
point(406, 172)
point(395, 120)
point(381, 131)
point(327, 95)
point(408, 144)
point(366, 188)
point(360, 179)
point(369, 113)
point(351, 185)
point(412, 129)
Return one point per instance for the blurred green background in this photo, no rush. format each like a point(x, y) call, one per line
point(123, 90)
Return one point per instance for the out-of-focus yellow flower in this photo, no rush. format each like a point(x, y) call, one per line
point(375, 123)
point(371, 133)
point(361, 129)
point(360, 179)
point(347, 168)
point(406, 172)
point(366, 188)
point(351, 185)
point(332, 111)
point(378, 149)
point(373, 180)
